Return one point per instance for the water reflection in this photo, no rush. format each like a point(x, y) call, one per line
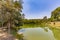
point(37, 34)
point(46, 29)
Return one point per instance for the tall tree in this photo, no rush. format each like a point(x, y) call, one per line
point(10, 12)
point(45, 19)
point(55, 15)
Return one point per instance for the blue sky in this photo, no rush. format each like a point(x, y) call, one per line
point(39, 8)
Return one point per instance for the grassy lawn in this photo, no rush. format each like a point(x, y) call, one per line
point(56, 33)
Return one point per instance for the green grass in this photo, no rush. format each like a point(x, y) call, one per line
point(56, 33)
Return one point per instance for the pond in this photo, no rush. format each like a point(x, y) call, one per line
point(37, 33)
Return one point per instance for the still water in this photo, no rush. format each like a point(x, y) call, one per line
point(37, 33)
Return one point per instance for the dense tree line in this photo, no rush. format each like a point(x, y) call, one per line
point(35, 21)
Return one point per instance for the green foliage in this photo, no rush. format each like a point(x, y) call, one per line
point(10, 13)
point(56, 33)
point(55, 15)
point(35, 22)
point(19, 36)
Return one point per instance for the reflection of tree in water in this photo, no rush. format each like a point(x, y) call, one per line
point(46, 29)
point(20, 36)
